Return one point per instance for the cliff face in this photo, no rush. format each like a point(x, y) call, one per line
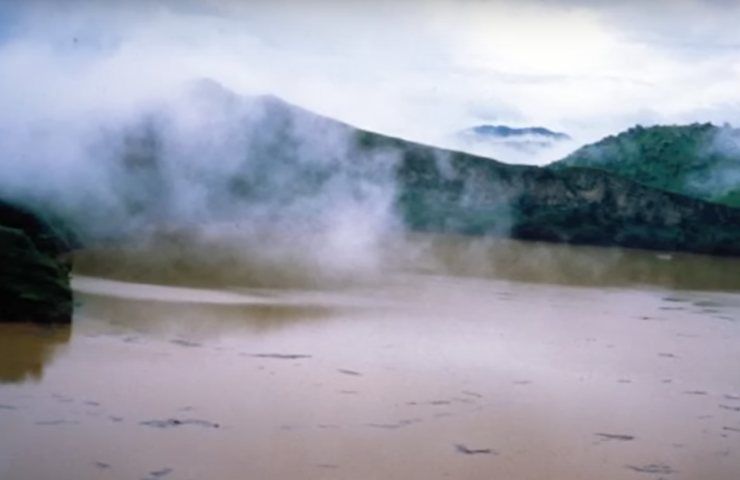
point(34, 279)
point(465, 194)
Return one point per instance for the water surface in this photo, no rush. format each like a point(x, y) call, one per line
point(472, 360)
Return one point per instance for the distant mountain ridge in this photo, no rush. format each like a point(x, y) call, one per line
point(698, 160)
point(506, 132)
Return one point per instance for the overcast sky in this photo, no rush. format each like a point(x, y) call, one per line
point(421, 69)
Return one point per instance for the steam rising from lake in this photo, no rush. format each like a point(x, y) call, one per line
point(212, 169)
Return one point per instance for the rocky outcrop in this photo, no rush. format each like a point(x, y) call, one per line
point(34, 279)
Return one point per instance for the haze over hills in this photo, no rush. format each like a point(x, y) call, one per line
point(262, 176)
point(528, 145)
point(698, 160)
point(212, 157)
point(484, 132)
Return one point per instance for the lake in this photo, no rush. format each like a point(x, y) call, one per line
point(455, 359)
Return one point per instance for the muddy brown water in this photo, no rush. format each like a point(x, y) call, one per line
point(471, 360)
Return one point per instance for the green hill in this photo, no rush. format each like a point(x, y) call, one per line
point(698, 160)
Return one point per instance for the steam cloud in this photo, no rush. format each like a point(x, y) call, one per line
point(245, 176)
point(108, 127)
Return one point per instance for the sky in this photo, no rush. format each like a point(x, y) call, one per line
point(419, 69)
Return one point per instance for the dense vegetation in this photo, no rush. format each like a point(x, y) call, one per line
point(699, 160)
point(441, 191)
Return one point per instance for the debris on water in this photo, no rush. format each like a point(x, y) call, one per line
point(442, 415)
point(8, 407)
point(707, 303)
point(615, 436)
point(175, 422)
point(327, 427)
point(732, 397)
point(731, 429)
point(185, 343)
point(675, 299)
point(730, 407)
point(522, 382)
point(695, 392)
point(161, 473)
point(473, 451)
point(471, 394)
point(667, 355)
point(115, 419)
point(653, 468)
point(281, 356)
point(101, 465)
point(395, 426)
point(54, 423)
point(91, 403)
point(349, 372)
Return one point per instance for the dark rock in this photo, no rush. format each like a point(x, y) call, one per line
point(34, 279)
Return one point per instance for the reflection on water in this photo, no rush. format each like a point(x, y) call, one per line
point(25, 349)
point(173, 262)
point(573, 265)
point(440, 367)
point(152, 316)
